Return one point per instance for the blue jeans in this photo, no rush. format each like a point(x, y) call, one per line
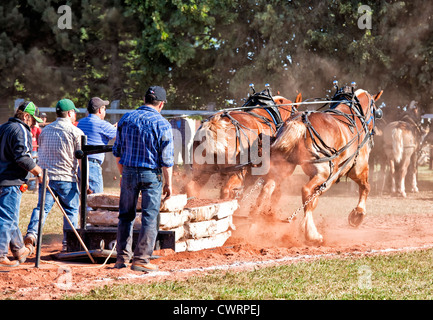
point(96, 182)
point(69, 198)
point(10, 234)
point(149, 182)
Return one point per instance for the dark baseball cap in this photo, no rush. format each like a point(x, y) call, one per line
point(95, 103)
point(66, 105)
point(158, 92)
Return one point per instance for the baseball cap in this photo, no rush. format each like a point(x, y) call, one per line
point(158, 92)
point(65, 105)
point(31, 109)
point(95, 103)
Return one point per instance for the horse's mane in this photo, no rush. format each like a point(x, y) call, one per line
point(359, 92)
point(209, 129)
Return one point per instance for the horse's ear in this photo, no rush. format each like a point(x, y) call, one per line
point(298, 98)
point(377, 96)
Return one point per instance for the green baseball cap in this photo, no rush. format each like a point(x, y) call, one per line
point(31, 109)
point(66, 105)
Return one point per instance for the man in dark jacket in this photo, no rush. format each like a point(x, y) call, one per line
point(15, 164)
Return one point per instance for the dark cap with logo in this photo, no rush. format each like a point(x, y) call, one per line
point(158, 92)
point(95, 103)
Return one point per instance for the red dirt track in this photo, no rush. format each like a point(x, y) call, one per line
point(392, 224)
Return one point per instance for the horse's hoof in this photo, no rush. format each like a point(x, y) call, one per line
point(356, 217)
point(316, 241)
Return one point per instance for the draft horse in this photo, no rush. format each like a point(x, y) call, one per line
point(327, 145)
point(402, 142)
point(233, 142)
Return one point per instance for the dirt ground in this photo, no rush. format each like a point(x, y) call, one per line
point(392, 224)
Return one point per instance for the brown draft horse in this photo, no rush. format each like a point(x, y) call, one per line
point(327, 145)
point(401, 143)
point(231, 143)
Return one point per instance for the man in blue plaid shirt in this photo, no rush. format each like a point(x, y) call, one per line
point(145, 154)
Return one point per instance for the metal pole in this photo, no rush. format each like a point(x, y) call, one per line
point(41, 216)
point(83, 192)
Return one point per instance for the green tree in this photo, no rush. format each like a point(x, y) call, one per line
point(209, 51)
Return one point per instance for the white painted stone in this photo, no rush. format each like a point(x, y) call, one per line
point(196, 230)
point(174, 203)
point(110, 201)
point(203, 243)
point(218, 210)
point(169, 220)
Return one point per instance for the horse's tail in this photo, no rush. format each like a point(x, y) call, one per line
point(397, 144)
point(289, 136)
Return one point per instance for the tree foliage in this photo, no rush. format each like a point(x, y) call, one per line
point(209, 51)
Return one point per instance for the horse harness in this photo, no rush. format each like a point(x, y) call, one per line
point(330, 153)
point(262, 100)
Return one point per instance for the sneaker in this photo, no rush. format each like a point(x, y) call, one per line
point(23, 253)
point(5, 262)
point(144, 267)
point(30, 239)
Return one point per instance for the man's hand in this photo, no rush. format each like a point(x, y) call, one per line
point(167, 191)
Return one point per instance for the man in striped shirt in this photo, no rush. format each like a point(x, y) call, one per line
point(98, 132)
point(57, 145)
point(144, 151)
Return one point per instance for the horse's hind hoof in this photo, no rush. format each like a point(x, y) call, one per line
point(356, 217)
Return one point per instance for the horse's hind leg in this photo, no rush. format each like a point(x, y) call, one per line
point(413, 172)
point(271, 192)
point(401, 176)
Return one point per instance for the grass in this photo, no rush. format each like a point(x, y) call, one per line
point(54, 223)
point(390, 277)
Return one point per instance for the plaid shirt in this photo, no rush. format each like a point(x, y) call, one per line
point(57, 144)
point(144, 139)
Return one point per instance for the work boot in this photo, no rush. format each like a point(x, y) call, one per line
point(23, 253)
point(5, 262)
point(144, 267)
point(30, 239)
